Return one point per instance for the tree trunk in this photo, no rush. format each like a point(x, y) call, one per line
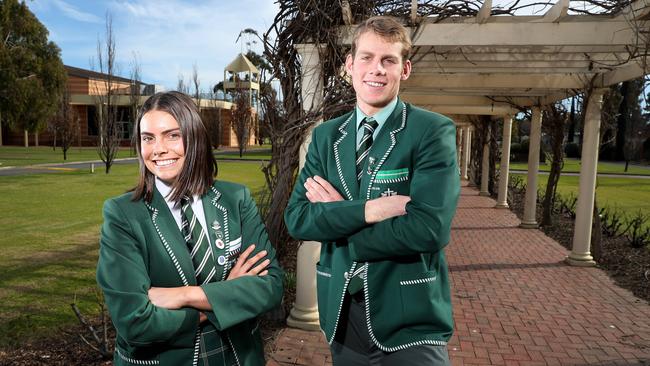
point(26, 138)
point(627, 163)
point(35, 138)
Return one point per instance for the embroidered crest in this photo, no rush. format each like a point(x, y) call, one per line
point(388, 192)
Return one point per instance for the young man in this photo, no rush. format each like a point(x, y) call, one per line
point(379, 189)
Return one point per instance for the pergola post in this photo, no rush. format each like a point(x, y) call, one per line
point(485, 169)
point(530, 207)
point(580, 252)
point(459, 146)
point(466, 148)
point(304, 313)
point(502, 199)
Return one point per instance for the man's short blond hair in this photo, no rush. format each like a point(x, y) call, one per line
point(387, 28)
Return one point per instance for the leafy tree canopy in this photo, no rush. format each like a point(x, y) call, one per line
point(32, 76)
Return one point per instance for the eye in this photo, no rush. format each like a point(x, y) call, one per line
point(174, 135)
point(146, 138)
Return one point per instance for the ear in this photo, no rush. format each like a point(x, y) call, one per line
point(349, 60)
point(406, 70)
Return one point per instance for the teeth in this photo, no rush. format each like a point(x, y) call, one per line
point(165, 162)
point(372, 83)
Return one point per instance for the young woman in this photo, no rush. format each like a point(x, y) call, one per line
point(185, 262)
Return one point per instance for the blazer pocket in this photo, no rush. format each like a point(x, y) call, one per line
point(323, 286)
point(391, 182)
point(419, 294)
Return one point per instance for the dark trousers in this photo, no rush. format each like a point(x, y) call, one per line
point(352, 345)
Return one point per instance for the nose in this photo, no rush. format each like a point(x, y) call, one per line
point(379, 69)
point(159, 147)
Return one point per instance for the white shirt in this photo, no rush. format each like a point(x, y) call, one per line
point(197, 206)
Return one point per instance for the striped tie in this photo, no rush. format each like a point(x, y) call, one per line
point(368, 126)
point(197, 243)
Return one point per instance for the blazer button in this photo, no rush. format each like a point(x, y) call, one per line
point(220, 244)
point(346, 275)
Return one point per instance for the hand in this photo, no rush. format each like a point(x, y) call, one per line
point(320, 190)
point(249, 266)
point(382, 208)
point(169, 297)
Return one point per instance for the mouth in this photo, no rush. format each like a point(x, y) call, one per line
point(163, 163)
point(375, 84)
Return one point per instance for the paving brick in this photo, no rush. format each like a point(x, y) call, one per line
point(515, 302)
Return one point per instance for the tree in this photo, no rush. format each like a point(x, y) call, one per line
point(629, 121)
point(242, 118)
point(32, 76)
point(212, 118)
point(134, 91)
point(65, 124)
point(105, 99)
point(554, 119)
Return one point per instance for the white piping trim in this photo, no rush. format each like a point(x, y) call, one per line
point(338, 315)
point(338, 158)
point(136, 362)
point(324, 274)
point(392, 180)
point(226, 232)
point(418, 281)
point(154, 216)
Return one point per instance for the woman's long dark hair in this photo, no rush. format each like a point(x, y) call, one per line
point(200, 167)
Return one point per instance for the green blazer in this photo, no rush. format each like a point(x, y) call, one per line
point(407, 286)
point(142, 247)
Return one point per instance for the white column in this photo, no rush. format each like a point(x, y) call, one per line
point(580, 253)
point(485, 168)
point(530, 207)
point(304, 313)
point(459, 146)
point(466, 148)
point(502, 199)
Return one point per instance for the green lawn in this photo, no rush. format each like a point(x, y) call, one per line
point(49, 243)
point(628, 195)
point(573, 166)
point(21, 156)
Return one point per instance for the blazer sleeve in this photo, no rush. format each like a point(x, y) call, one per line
point(122, 275)
point(246, 297)
point(324, 221)
point(434, 191)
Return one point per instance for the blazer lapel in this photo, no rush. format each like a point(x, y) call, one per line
point(171, 238)
point(345, 154)
point(383, 146)
point(216, 217)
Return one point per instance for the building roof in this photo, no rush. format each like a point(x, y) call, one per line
point(83, 73)
point(240, 64)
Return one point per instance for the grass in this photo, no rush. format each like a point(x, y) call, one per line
point(22, 156)
point(573, 166)
point(50, 227)
point(628, 195)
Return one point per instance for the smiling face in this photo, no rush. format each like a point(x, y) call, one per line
point(161, 145)
point(376, 68)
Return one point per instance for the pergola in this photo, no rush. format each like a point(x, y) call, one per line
point(497, 66)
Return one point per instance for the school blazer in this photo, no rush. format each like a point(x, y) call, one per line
point(406, 287)
point(141, 247)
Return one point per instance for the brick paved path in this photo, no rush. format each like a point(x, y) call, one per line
point(517, 303)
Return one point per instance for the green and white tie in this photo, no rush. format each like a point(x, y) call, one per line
point(368, 126)
point(197, 243)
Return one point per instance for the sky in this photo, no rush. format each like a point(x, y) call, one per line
point(167, 36)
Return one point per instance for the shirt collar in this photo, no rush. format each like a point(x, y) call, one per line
point(381, 117)
point(163, 188)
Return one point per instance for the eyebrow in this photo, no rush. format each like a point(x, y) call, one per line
point(164, 132)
